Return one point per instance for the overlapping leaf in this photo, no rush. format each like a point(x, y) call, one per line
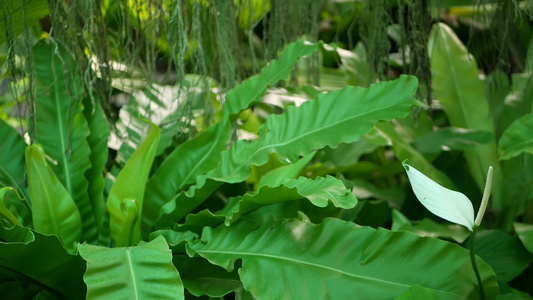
point(54, 211)
point(341, 116)
point(199, 155)
point(456, 84)
point(41, 258)
point(339, 260)
point(140, 272)
point(62, 128)
point(125, 201)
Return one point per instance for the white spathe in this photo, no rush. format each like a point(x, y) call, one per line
point(445, 203)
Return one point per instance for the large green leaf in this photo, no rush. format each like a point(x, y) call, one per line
point(341, 116)
point(42, 260)
point(125, 201)
point(349, 113)
point(517, 138)
point(62, 128)
point(54, 211)
point(199, 155)
point(319, 191)
point(11, 215)
point(456, 84)
point(140, 272)
point(339, 260)
point(97, 141)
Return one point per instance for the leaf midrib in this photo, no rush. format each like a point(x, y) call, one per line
point(320, 266)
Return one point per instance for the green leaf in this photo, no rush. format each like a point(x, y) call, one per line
point(403, 150)
point(503, 252)
point(419, 292)
point(276, 176)
point(456, 84)
point(201, 154)
point(12, 158)
point(517, 138)
point(5, 211)
point(97, 140)
point(12, 167)
point(349, 113)
point(445, 203)
point(451, 138)
point(33, 12)
point(428, 227)
point(43, 260)
point(525, 233)
point(125, 201)
point(337, 259)
point(62, 128)
point(319, 191)
point(54, 211)
point(202, 278)
point(140, 272)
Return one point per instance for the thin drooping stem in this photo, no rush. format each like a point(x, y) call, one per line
point(474, 264)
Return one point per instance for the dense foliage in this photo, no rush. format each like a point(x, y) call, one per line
point(253, 149)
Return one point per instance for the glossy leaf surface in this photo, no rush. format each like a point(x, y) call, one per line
point(54, 211)
point(338, 260)
point(140, 272)
point(525, 233)
point(11, 158)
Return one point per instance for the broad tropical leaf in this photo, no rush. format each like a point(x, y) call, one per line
point(445, 203)
point(41, 258)
point(199, 155)
point(320, 191)
point(125, 201)
point(339, 260)
point(62, 128)
point(19, 18)
point(140, 272)
point(349, 113)
point(419, 292)
point(456, 84)
point(517, 138)
point(53, 210)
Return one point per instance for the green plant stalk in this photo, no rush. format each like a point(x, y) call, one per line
point(477, 223)
point(474, 264)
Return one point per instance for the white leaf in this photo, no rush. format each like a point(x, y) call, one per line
point(445, 203)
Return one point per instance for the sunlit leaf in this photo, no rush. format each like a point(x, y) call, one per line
point(53, 210)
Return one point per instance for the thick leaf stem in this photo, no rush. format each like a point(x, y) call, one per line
point(474, 264)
